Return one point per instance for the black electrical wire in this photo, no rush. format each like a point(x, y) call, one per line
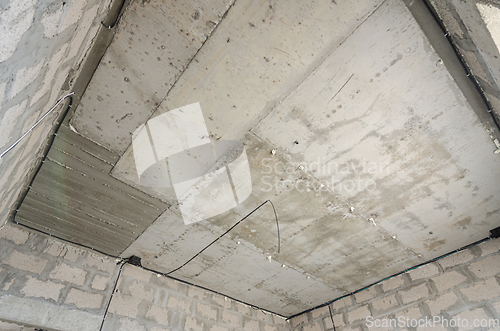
point(126, 260)
point(213, 291)
point(222, 235)
point(331, 316)
point(462, 60)
point(123, 262)
point(277, 225)
point(397, 274)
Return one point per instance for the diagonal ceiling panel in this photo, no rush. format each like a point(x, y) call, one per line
point(154, 43)
point(353, 128)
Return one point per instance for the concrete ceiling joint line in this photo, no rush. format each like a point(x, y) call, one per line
point(315, 68)
point(83, 73)
point(368, 218)
point(191, 60)
point(182, 72)
point(467, 67)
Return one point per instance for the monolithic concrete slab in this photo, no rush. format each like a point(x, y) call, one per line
point(413, 162)
point(375, 162)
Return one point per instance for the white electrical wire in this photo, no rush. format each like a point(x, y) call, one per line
point(36, 124)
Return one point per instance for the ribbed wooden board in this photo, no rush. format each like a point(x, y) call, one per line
point(73, 197)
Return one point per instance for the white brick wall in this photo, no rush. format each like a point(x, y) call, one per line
point(40, 286)
point(166, 304)
point(47, 274)
point(31, 263)
point(463, 285)
point(70, 274)
point(40, 289)
point(14, 234)
point(37, 51)
point(84, 299)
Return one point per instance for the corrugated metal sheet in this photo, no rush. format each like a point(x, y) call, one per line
point(74, 197)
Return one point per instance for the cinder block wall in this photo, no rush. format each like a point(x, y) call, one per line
point(464, 285)
point(42, 42)
point(143, 301)
point(49, 284)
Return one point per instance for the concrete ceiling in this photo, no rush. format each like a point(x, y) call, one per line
point(375, 156)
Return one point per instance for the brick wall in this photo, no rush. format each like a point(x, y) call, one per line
point(50, 284)
point(144, 301)
point(42, 42)
point(463, 286)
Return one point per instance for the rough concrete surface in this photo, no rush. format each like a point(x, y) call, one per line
point(354, 127)
point(372, 146)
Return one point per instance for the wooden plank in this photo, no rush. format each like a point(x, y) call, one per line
point(96, 194)
point(87, 145)
point(81, 155)
point(75, 231)
point(44, 206)
point(44, 225)
point(107, 179)
point(122, 227)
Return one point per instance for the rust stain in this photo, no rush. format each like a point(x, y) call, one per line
point(434, 245)
point(463, 223)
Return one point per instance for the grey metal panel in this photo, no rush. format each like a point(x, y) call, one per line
point(49, 208)
point(61, 203)
point(87, 145)
point(34, 220)
point(82, 155)
point(94, 194)
point(148, 205)
point(65, 228)
point(73, 197)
